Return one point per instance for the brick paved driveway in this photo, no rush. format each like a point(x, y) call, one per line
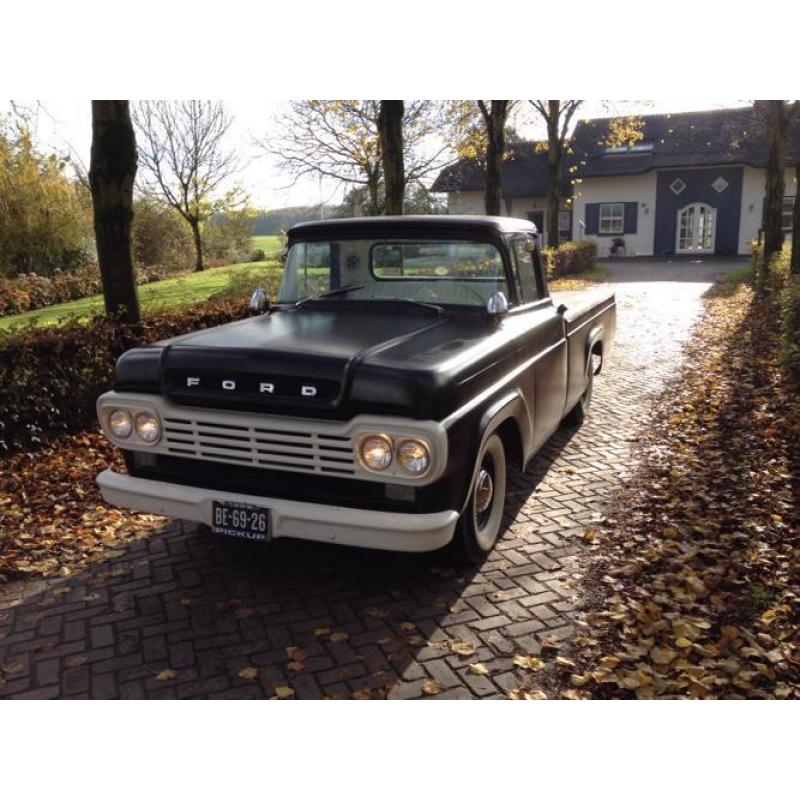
point(368, 624)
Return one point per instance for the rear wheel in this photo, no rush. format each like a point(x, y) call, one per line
point(480, 524)
point(581, 408)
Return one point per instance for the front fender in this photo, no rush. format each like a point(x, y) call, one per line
point(468, 435)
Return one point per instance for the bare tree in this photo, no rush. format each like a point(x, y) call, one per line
point(390, 126)
point(557, 115)
point(340, 140)
point(111, 176)
point(186, 164)
point(494, 117)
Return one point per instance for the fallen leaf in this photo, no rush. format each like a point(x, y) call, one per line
point(339, 637)
point(166, 675)
point(528, 662)
point(431, 687)
point(284, 692)
point(478, 669)
point(462, 648)
point(248, 673)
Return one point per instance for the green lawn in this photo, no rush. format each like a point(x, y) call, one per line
point(271, 245)
point(189, 288)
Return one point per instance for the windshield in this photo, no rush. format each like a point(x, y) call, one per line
point(442, 272)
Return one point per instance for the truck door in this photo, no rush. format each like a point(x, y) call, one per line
point(546, 380)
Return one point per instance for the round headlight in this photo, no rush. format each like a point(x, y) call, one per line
point(375, 451)
point(148, 427)
point(413, 456)
point(120, 423)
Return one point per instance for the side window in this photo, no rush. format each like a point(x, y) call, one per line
point(523, 247)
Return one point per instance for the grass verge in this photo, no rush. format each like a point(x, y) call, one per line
point(191, 288)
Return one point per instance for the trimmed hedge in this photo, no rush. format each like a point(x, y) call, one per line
point(31, 291)
point(570, 259)
point(50, 378)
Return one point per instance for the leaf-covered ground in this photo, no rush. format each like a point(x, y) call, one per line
point(692, 583)
point(52, 518)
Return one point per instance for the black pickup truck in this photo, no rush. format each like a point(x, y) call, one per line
point(377, 403)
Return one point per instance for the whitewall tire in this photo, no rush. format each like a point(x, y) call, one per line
point(482, 520)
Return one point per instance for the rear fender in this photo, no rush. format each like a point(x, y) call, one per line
point(595, 337)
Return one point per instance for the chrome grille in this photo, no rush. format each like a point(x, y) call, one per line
point(259, 446)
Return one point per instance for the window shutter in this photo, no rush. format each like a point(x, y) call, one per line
point(592, 218)
point(631, 213)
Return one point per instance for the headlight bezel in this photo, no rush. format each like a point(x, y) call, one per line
point(134, 438)
point(394, 469)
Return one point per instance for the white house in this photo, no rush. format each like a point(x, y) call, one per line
point(692, 184)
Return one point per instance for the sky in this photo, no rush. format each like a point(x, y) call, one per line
point(65, 125)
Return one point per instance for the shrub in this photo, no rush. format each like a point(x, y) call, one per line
point(258, 255)
point(228, 237)
point(569, 259)
point(212, 263)
point(50, 378)
point(243, 282)
point(32, 291)
point(45, 217)
point(161, 236)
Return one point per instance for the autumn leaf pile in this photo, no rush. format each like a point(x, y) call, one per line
point(52, 518)
point(693, 579)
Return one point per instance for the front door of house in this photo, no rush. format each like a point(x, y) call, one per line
point(697, 228)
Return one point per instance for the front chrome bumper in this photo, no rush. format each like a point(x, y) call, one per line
point(381, 530)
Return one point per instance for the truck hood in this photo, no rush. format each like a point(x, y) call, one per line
point(318, 361)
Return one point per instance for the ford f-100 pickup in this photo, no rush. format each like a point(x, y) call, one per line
point(406, 362)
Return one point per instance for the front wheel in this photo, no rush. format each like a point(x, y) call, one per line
point(480, 524)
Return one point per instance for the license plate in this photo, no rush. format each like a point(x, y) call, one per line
point(241, 520)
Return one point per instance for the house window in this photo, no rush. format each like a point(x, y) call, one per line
point(720, 185)
point(677, 186)
point(787, 212)
point(612, 217)
point(564, 221)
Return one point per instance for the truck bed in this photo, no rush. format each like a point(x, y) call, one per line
point(587, 313)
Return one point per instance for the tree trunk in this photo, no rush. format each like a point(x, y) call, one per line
point(777, 123)
point(495, 121)
point(112, 171)
point(199, 266)
point(554, 156)
point(390, 125)
point(373, 188)
point(796, 221)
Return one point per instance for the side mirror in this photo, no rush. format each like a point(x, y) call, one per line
point(259, 301)
point(561, 309)
point(497, 304)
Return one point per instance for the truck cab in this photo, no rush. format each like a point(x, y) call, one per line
point(378, 401)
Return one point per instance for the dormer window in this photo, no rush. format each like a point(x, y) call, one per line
point(629, 149)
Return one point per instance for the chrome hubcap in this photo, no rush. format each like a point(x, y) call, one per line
point(484, 489)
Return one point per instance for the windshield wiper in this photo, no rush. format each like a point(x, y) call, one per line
point(330, 293)
point(430, 306)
